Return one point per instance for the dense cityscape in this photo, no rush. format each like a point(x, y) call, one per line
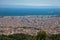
point(29, 24)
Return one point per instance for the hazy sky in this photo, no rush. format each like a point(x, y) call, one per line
point(31, 2)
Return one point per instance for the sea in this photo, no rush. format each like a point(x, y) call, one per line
point(24, 11)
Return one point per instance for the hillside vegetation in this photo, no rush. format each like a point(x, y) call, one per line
point(41, 35)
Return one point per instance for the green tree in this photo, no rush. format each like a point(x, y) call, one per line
point(42, 35)
point(55, 37)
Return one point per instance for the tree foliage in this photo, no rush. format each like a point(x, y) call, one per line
point(42, 35)
point(16, 37)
